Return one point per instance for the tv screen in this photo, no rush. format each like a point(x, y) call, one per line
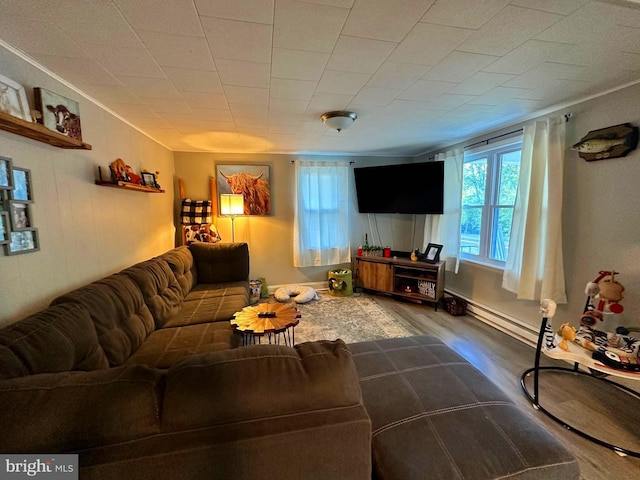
point(415, 188)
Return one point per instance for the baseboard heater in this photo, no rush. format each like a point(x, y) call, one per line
point(505, 323)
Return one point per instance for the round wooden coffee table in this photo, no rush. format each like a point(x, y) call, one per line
point(270, 320)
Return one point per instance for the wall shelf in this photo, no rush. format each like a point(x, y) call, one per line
point(129, 186)
point(39, 132)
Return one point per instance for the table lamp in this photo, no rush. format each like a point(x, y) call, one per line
point(232, 204)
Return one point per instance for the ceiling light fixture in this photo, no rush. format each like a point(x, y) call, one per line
point(339, 120)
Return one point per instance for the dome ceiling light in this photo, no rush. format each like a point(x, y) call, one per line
point(339, 120)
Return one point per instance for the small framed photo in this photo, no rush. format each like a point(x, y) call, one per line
point(149, 179)
point(59, 114)
point(6, 174)
point(432, 253)
point(22, 185)
point(23, 242)
point(4, 228)
point(13, 99)
point(20, 216)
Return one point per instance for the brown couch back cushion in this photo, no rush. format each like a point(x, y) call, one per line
point(160, 288)
point(71, 411)
point(221, 262)
point(121, 317)
point(180, 262)
point(57, 339)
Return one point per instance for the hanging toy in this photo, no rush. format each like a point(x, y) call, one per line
point(610, 294)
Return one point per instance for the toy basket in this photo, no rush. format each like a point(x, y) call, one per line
point(455, 306)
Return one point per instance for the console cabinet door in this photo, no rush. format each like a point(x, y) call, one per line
point(375, 276)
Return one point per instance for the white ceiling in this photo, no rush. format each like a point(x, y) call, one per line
point(256, 75)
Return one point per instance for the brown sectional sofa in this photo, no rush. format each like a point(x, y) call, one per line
point(138, 374)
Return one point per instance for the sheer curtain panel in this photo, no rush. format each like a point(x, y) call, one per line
point(445, 229)
point(534, 269)
point(321, 224)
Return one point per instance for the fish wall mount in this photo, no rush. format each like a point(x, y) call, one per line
point(606, 143)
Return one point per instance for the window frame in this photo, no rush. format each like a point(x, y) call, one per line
point(491, 206)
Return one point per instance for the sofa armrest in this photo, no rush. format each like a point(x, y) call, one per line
point(221, 262)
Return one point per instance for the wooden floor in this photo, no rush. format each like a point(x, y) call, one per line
point(589, 404)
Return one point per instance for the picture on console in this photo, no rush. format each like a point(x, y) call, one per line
point(253, 182)
point(432, 253)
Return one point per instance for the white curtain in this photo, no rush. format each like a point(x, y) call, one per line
point(445, 229)
point(534, 269)
point(321, 224)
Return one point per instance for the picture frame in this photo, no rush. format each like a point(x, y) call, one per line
point(13, 99)
point(149, 179)
point(432, 253)
point(22, 190)
point(59, 114)
point(6, 174)
point(5, 231)
point(20, 213)
point(25, 241)
point(253, 182)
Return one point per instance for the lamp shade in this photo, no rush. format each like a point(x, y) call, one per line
point(231, 204)
point(339, 120)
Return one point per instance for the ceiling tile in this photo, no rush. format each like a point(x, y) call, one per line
point(327, 102)
point(246, 95)
point(591, 22)
point(298, 64)
point(511, 27)
point(126, 61)
point(178, 51)
point(480, 83)
point(173, 106)
point(256, 11)
point(424, 90)
point(348, 83)
point(397, 75)
point(288, 89)
point(151, 15)
point(380, 97)
point(353, 54)
point(238, 40)
point(206, 100)
point(545, 72)
point(497, 95)
point(108, 94)
point(458, 66)
point(334, 3)
point(307, 26)
point(530, 54)
point(462, 13)
point(563, 7)
point(194, 80)
point(79, 71)
point(449, 101)
point(244, 74)
point(428, 44)
point(289, 107)
point(149, 87)
point(246, 111)
point(385, 20)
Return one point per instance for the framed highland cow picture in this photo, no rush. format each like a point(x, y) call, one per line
point(253, 182)
point(59, 113)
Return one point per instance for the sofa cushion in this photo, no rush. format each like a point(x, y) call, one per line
point(70, 411)
point(57, 339)
point(160, 288)
point(121, 318)
point(221, 262)
point(166, 346)
point(211, 303)
point(448, 418)
point(180, 262)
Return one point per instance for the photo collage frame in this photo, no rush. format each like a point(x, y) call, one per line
point(17, 231)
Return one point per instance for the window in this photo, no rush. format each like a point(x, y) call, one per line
point(321, 226)
point(489, 185)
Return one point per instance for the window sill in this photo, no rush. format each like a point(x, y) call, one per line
point(485, 266)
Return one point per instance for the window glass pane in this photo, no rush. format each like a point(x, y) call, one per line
point(509, 174)
point(474, 177)
point(502, 218)
point(470, 222)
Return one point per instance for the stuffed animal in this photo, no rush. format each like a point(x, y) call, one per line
point(568, 334)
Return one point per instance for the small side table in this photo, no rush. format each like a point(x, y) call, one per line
point(270, 320)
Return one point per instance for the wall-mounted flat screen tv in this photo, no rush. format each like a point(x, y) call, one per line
point(415, 188)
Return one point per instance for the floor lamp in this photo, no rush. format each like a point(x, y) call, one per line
point(231, 204)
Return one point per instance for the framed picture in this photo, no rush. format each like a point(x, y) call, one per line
point(432, 253)
point(4, 228)
point(6, 174)
point(253, 182)
point(22, 185)
point(59, 114)
point(20, 216)
point(149, 179)
point(13, 99)
point(22, 242)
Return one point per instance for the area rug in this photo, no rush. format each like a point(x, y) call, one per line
point(353, 319)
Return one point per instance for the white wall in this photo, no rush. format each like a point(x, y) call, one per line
point(86, 231)
point(601, 224)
